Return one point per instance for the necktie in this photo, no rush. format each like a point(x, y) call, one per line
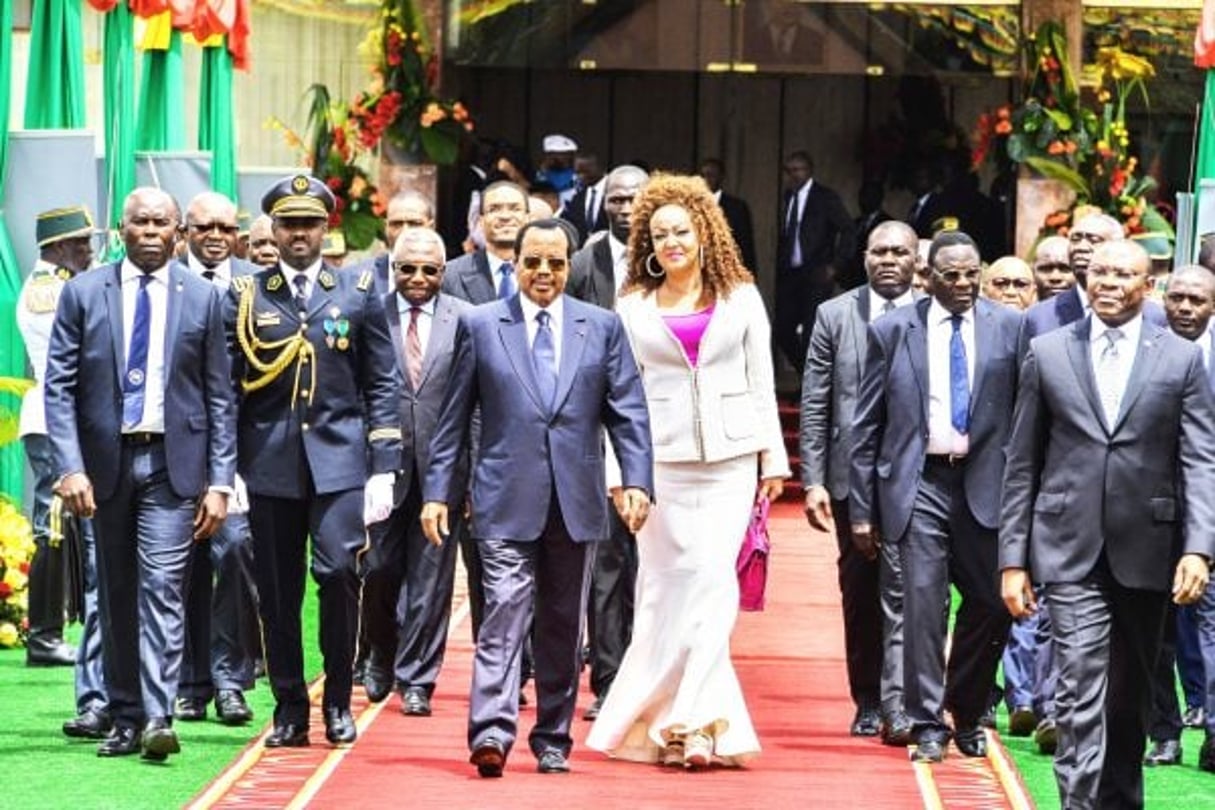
point(544, 358)
point(888, 306)
point(959, 382)
point(137, 357)
point(590, 209)
point(301, 291)
point(209, 275)
point(791, 228)
point(506, 287)
point(1108, 377)
point(413, 349)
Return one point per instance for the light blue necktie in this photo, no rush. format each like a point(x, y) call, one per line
point(544, 358)
point(506, 287)
point(135, 380)
point(959, 384)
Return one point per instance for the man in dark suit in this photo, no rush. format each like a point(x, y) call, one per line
point(870, 579)
point(408, 582)
point(407, 209)
point(816, 240)
point(318, 414)
point(597, 272)
point(549, 374)
point(1114, 422)
point(479, 277)
point(137, 353)
point(932, 416)
point(586, 210)
point(223, 637)
point(736, 211)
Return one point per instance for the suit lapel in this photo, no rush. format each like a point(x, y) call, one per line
point(442, 333)
point(573, 342)
point(277, 290)
point(393, 315)
point(321, 299)
point(604, 272)
point(512, 331)
point(983, 337)
point(916, 338)
point(1146, 360)
point(1082, 365)
point(173, 300)
point(113, 305)
point(482, 278)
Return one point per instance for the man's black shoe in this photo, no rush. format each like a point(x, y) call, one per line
point(553, 761)
point(123, 741)
point(896, 730)
point(1046, 735)
point(88, 725)
point(930, 751)
point(489, 757)
point(159, 740)
point(1206, 754)
point(231, 707)
point(972, 742)
point(50, 653)
point(1162, 753)
point(190, 709)
point(377, 683)
point(288, 735)
point(866, 723)
point(415, 702)
point(1194, 717)
point(339, 726)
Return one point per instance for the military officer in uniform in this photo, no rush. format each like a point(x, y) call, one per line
point(319, 443)
point(65, 248)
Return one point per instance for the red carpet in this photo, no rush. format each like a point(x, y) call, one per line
point(790, 660)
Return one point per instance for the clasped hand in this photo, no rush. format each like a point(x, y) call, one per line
point(633, 506)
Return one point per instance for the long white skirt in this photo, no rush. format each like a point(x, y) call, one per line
point(676, 676)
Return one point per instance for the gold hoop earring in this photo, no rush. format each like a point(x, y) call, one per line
point(649, 268)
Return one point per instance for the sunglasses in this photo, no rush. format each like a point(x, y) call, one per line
point(409, 269)
point(534, 262)
point(1015, 283)
point(207, 227)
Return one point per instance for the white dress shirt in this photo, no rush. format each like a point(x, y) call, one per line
point(799, 200)
point(495, 270)
point(943, 438)
point(556, 312)
point(222, 272)
point(620, 261)
point(154, 382)
point(1112, 375)
point(311, 271)
point(426, 317)
point(877, 304)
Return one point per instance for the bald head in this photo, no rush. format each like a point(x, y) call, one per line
point(150, 218)
point(890, 258)
point(1090, 231)
point(211, 228)
point(1189, 300)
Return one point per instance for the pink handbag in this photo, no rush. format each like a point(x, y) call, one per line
point(752, 562)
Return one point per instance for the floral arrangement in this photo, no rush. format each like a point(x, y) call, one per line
point(401, 103)
point(16, 551)
point(333, 150)
point(1060, 134)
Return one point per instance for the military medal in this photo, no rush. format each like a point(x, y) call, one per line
point(330, 327)
point(343, 331)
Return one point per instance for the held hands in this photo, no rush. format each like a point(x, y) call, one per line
point(771, 488)
point(1190, 580)
point(377, 498)
point(212, 510)
point(866, 539)
point(1018, 593)
point(238, 504)
point(633, 506)
point(818, 509)
point(434, 522)
point(76, 490)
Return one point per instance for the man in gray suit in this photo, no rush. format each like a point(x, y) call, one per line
point(932, 416)
point(137, 354)
point(1114, 422)
point(408, 582)
point(869, 577)
point(549, 374)
point(598, 271)
point(223, 636)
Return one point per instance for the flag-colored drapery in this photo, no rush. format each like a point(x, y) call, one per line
point(1204, 57)
point(216, 130)
point(119, 80)
point(161, 88)
point(54, 88)
point(12, 351)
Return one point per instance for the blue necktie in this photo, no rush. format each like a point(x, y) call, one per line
point(133, 383)
point(506, 287)
point(301, 291)
point(959, 383)
point(544, 359)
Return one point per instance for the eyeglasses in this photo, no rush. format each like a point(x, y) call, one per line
point(533, 263)
point(207, 227)
point(1015, 283)
point(410, 269)
point(954, 276)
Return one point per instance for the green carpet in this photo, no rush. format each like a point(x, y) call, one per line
point(44, 769)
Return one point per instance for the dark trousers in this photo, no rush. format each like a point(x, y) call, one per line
point(610, 619)
point(470, 555)
point(798, 294)
point(860, 589)
point(144, 539)
point(46, 573)
point(407, 595)
point(1029, 663)
point(1178, 649)
point(281, 529)
point(890, 583)
point(547, 577)
point(1107, 639)
point(945, 544)
point(221, 643)
point(1204, 615)
point(90, 669)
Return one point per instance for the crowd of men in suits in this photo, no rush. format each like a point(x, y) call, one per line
point(1039, 461)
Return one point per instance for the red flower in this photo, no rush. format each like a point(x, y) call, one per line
point(6, 590)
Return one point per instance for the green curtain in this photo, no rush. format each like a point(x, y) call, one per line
point(12, 350)
point(216, 132)
point(161, 99)
point(54, 87)
point(119, 80)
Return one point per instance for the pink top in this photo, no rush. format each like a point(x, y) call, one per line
point(689, 329)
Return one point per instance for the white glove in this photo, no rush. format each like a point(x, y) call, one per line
point(238, 504)
point(377, 498)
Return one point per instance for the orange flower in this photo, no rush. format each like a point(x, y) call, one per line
point(1056, 148)
point(1003, 127)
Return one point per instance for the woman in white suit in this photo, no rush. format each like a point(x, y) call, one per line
point(701, 337)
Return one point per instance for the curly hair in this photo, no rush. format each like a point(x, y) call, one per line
point(721, 268)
